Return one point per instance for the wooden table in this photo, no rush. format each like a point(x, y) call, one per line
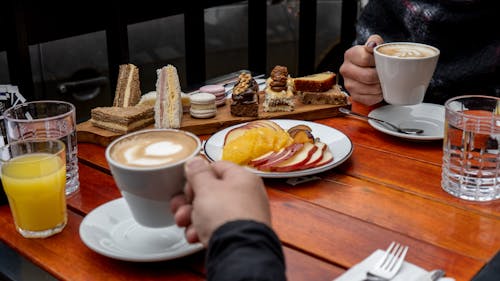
point(388, 190)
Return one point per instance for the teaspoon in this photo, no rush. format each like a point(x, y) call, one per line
point(409, 131)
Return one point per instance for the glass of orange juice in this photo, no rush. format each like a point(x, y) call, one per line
point(33, 173)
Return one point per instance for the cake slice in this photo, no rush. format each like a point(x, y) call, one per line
point(319, 82)
point(245, 100)
point(278, 93)
point(333, 96)
point(168, 106)
point(128, 89)
point(122, 120)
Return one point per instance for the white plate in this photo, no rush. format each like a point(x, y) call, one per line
point(426, 116)
point(338, 143)
point(111, 231)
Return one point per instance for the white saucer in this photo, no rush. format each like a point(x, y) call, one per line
point(426, 116)
point(111, 231)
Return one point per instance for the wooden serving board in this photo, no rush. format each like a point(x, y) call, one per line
point(86, 132)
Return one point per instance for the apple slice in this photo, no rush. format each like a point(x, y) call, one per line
point(316, 157)
point(234, 134)
point(290, 151)
point(266, 123)
point(267, 157)
point(327, 158)
point(297, 161)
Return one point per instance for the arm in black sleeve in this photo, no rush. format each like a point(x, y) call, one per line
point(245, 250)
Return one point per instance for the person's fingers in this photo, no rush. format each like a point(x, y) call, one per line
point(365, 75)
point(191, 234)
point(372, 42)
point(188, 192)
point(357, 55)
point(225, 168)
point(183, 215)
point(198, 173)
point(177, 201)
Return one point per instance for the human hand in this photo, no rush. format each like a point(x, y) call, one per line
point(359, 73)
point(218, 193)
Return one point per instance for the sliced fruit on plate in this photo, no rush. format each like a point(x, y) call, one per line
point(290, 151)
point(316, 157)
point(297, 161)
point(266, 157)
point(327, 158)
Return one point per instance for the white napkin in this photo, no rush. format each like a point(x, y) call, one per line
point(408, 271)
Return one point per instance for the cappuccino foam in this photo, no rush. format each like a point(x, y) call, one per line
point(152, 149)
point(406, 51)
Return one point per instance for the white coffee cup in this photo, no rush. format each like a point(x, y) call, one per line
point(405, 70)
point(148, 167)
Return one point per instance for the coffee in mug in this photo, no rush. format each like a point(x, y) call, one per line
point(407, 50)
point(405, 70)
point(153, 149)
point(148, 167)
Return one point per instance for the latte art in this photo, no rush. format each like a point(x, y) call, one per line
point(151, 155)
point(153, 149)
point(407, 51)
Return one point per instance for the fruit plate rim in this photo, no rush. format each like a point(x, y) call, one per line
point(339, 144)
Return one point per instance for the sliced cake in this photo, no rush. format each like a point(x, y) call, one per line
point(319, 82)
point(128, 88)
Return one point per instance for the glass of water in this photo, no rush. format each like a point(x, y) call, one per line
point(47, 119)
point(471, 148)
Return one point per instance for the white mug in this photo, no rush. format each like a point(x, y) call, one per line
point(148, 167)
point(405, 70)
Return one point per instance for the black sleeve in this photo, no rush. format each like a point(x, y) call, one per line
point(245, 250)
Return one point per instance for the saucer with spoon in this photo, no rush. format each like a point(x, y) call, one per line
point(416, 122)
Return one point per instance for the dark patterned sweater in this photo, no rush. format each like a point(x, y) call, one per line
point(467, 32)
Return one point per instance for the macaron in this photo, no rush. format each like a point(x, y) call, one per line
point(203, 105)
point(218, 91)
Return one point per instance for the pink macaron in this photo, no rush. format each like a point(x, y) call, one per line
point(218, 91)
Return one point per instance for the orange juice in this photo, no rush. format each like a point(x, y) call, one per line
point(34, 184)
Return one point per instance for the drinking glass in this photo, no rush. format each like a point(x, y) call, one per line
point(47, 119)
point(471, 148)
point(33, 173)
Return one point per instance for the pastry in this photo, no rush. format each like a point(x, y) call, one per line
point(319, 88)
point(245, 100)
point(128, 90)
point(122, 120)
point(279, 95)
point(218, 91)
point(203, 105)
point(168, 106)
point(333, 96)
point(319, 82)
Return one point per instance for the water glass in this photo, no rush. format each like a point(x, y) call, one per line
point(33, 173)
point(47, 119)
point(471, 148)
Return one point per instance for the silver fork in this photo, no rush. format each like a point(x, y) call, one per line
point(387, 267)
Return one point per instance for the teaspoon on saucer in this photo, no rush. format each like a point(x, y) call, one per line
point(409, 131)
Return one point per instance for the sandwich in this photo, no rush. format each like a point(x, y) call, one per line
point(319, 88)
point(168, 106)
point(279, 94)
point(128, 90)
point(122, 120)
